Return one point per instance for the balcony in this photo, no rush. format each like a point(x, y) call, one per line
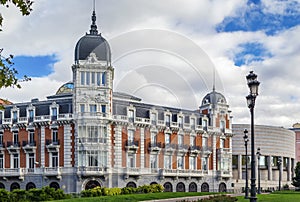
point(93, 140)
point(91, 171)
point(155, 146)
point(132, 172)
point(142, 121)
point(132, 145)
point(13, 147)
point(29, 146)
point(206, 150)
point(169, 148)
point(175, 126)
point(12, 172)
point(224, 173)
point(180, 148)
point(52, 146)
point(52, 171)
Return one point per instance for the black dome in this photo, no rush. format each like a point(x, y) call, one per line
point(91, 43)
point(214, 98)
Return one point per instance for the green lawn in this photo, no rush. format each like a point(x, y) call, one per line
point(138, 197)
point(285, 196)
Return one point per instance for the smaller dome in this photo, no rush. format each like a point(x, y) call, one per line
point(214, 98)
point(65, 88)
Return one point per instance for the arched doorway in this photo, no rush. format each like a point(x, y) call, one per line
point(168, 187)
point(54, 185)
point(180, 187)
point(222, 187)
point(193, 187)
point(204, 187)
point(30, 185)
point(131, 184)
point(14, 186)
point(2, 186)
point(92, 184)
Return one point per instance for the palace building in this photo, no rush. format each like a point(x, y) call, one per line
point(87, 135)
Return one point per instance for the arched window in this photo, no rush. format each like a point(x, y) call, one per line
point(180, 187)
point(222, 187)
point(14, 186)
point(54, 185)
point(131, 184)
point(193, 187)
point(168, 187)
point(92, 184)
point(30, 185)
point(204, 187)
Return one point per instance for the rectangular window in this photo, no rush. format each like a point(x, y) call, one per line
point(180, 162)
point(15, 160)
point(153, 161)
point(15, 116)
point(204, 124)
point(130, 137)
point(93, 78)
point(222, 126)
point(167, 138)
point(54, 136)
point(93, 110)
point(204, 142)
point(16, 138)
point(98, 79)
point(1, 161)
point(193, 123)
point(180, 140)
point(204, 163)
point(103, 158)
point(131, 161)
point(222, 143)
point(153, 118)
point(93, 132)
point(180, 122)
point(192, 140)
point(167, 162)
point(82, 78)
point(87, 78)
point(31, 137)
point(54, 159)
point(103, 78)
point(103, 109)
point(234, 161)
point(1, 138)
point(153, 138)
point(82, 108)
point(54, 113)
point(1, 117)
point(31, 160)
point(93, 158)
point(168, 120)
point(192, 165)
point(30, 115)
point(131, 116)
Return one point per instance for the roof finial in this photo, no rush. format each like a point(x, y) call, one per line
point(214, 79)
point(93, 29)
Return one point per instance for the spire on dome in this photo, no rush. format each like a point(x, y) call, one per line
point(93, 30)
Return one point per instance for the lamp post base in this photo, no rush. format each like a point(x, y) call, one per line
point(253, 199)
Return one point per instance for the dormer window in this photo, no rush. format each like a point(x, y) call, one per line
point(193, 123)
point(153, 118)
point(180, 121)
point(54, 113)
point(103, 78)
point(131, 115)
point(204, 124)
point(30, 115)
point(168, 120)
point(15, 116)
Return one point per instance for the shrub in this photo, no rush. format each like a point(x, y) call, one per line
point(4, 195)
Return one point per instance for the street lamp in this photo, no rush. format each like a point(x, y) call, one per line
point(279, 167)
point(246, 142)
point(258, 170)
point(253, 86)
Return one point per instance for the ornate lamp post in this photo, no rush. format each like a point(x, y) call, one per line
point(253, 86)
point(246, 142)
point(258, 170)
point(279, 167)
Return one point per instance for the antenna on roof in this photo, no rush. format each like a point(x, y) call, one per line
point(214, 79)
point(94, 5)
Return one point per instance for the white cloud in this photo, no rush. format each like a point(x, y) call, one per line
point(55, 26)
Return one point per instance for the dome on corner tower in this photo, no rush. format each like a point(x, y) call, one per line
point(93, 43)
point(214, 98)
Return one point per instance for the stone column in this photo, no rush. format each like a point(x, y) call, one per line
point(289, 177)
point(118, 147)
point(240, 169)
point(142, 147)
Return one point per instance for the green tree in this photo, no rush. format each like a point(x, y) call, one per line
point(296, 179)
point(7, 72)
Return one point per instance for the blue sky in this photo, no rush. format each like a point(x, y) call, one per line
point(236, 35)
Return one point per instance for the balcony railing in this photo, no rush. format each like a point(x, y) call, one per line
point(12, 172)
point(92, 140)
point(132, 145)
point(181, 173)
point(29, 143)
point(13, 144)
point(52, 142)
point(91, 171)
point(155, 146)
